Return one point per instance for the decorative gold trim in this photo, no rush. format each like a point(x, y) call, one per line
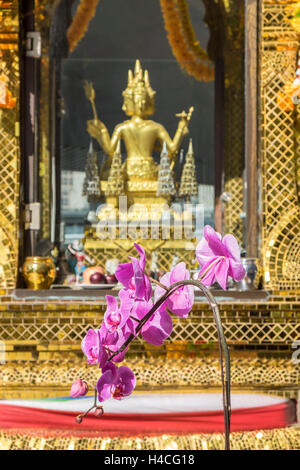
point(279, 153)
point(9, 150)
point(52, 375)
point(270, 439)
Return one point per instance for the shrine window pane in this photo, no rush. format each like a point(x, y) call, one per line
point(120, 33)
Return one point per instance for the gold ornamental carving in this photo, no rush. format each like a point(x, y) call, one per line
point(279, 155)
point(9, 146)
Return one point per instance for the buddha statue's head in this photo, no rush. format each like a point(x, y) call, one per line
point(139, 98)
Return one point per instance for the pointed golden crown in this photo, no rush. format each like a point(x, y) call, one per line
point(139, 82)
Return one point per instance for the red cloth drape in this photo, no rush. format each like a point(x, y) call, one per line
point(113, 424)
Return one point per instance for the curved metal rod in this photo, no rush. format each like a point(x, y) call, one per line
point(223, 347)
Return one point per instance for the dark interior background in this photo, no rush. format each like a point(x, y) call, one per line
point(121, 32)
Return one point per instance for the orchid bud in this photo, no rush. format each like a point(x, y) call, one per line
point(79, 388)
point(99, 411)
point(79, 419)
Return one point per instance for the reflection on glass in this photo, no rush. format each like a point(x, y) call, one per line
point(74, 206)
point(97, 73)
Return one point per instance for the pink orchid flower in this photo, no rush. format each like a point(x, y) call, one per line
point(117, 326)
point(158, 327)
point(94, 345)
point(132, 276)
point(79, 388)
point(115, 317)
point(181, 302)
point(90, 346)
point(122, 336)
point(219, 258)
point(115, 382)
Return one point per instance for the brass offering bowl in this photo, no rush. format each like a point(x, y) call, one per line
point(39, 272)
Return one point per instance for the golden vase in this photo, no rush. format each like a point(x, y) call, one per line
point(39, 272)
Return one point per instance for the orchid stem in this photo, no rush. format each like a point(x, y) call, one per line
point(135, 319)
point(94, 405)
point(158, 283)
point(223, 347)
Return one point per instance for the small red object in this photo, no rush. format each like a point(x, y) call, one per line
point(78, 419)
point(99, 411)
point(97, 278)
point(111, 279)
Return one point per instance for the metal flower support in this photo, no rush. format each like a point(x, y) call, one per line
point(223, 349)
point(137, 314)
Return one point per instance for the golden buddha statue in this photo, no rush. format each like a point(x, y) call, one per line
point(136, 178)
point(139, 134)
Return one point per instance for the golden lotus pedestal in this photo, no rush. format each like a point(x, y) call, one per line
point(164, 251)
point(137, 192)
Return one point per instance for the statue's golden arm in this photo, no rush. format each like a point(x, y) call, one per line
point(173, 145)
point(182, 129)
point(98, 130)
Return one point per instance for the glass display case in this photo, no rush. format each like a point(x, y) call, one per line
point(73, 165)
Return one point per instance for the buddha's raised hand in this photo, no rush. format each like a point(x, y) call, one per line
point(183, 127)
point(184, 121)
point(95, 128)
point(98, 130)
